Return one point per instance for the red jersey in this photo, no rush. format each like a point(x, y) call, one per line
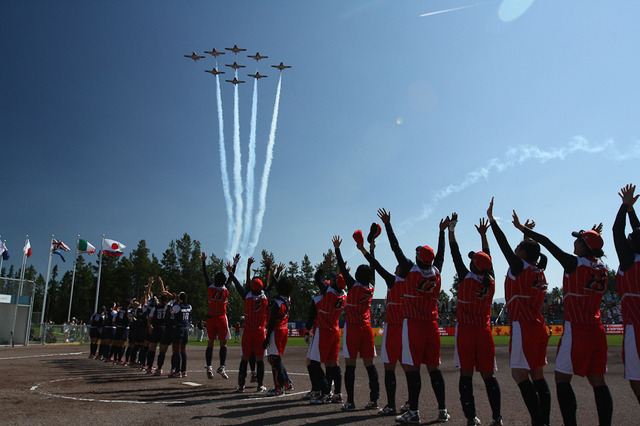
point(395, 309)
point(628, 285)
point(255, 311)
point(358, 309)
point(583, 290)
point(421, 291)
point(525, 294)
point(217, 297)
point(474, 301)
point(282, 317)
point(329, 307)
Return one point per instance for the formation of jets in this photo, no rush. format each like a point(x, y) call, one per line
point(194, 56)
point(257, 56)
point(214, 71)
point(235, 81)
point(235, 49)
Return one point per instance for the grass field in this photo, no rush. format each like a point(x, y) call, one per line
point(612, 340)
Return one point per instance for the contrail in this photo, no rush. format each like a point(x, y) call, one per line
point(237, 169)
point(267, 169)
point(451, 10)
point(250, 175)
point(516, 156)
point(223, 168)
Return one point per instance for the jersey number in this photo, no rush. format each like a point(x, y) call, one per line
point(597, 283)
point(426, 285)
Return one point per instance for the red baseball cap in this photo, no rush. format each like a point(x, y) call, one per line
point(591, 238)
point(256, 284)
point(425, 254)
point(357, 236)
point(482, 261)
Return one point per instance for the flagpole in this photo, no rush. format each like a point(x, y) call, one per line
point(28, 331)
point(2, 258)
point(99, 274)
point(46, 287)
point(15, 314)
point(73, 279)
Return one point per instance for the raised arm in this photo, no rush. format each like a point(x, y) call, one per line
point(207, 280)
point(461, 268)
point(341, 265)
point(236, 259)
point(515, 263)
point(318, 277)
point(388, 277)
point(625, 253)
point(403, 261)
point(249, 263)
point(438, 261)
point(241, 290)
point(568, 261)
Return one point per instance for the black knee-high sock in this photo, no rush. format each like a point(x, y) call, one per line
point(161, 357)
point(94, 346)
point(208, 355)
point(143, 355)
point(414, 385)
point(532, 401)
point(437, 384)
point(150, 357)
point(542, 388)
point(312, 377)
point(567, 402)
point(183, 366)
point(252, 363)
point(349, 381)
point(102, 349)
point(319, 377)
point(121, 353)
point(374, 383)
point(285, 375)
point(466, 397)
point(242, 373)
point(493, 393)
point(260, 372)
point(337, 379)
point(223, 356)
point(175, 361)
point(127, 356)
point(134, 354)
point(604, 404)
point(390, 387)
point(279, 367)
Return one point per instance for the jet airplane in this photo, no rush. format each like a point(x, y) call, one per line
point(235, 49)
point(194, 56)
point(257, 56)
point(214, 71)
point(235, 81)
point(257, 75)
point(214, 52)
point(235, 66)
point(281, 66)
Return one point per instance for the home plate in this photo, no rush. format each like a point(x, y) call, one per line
point(192, 384)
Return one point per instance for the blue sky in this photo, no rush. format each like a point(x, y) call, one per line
point(107, 128)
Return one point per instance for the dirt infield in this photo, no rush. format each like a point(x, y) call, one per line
point(58, 384)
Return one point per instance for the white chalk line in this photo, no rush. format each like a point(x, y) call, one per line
point(44, 355)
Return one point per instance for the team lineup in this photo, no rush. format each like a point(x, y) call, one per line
point(411, 335)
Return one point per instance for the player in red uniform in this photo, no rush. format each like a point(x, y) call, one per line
point(392, 336)
point(474, 347)
point(325, 344)
point(278, 333)
point(628, 285)
point(357, 334)
point(217, 322)
point(420, 335)
point(583, 347)
point(255, 321)
point(525, 288)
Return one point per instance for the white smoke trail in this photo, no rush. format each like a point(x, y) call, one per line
point(223, 169)
point(452, 10)
point(251, 164)
point(516, 156)
point(265, 174)
point(237, 169)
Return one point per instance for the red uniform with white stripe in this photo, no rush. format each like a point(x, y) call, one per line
point(217, 324)
point(474, 347)
point(395, 306)
point(280, 333)
point(325, 345)
point(420, 336)
point(583, 347)
point(391, 348)
point(628, 285)
point(525, 296)
point(358, 336)
point(255, 322)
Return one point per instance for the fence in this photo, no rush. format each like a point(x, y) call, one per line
point(16, 305)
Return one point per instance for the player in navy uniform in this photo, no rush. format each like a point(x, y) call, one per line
point(95, 332)
point(181, 311)
point(109, 331)
point(122, 331)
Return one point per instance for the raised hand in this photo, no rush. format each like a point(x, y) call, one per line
point(490, 211)
point(627, 196)
point(336, 241)
point(236, 259)
point(597, 228)
point(203, 256)
point(516, 222)
point(280, 267)
point(444, 223)
point(228, 267)
point(483, 226)
point(453, 222)
point(530, 224)
point(384, 216)
point(250, 261)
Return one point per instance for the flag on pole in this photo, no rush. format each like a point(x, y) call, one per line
point(57, 251)
point(59, 245)
point(112, 247)
point(27, 248)
point(85, 247)
point(4, 251)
